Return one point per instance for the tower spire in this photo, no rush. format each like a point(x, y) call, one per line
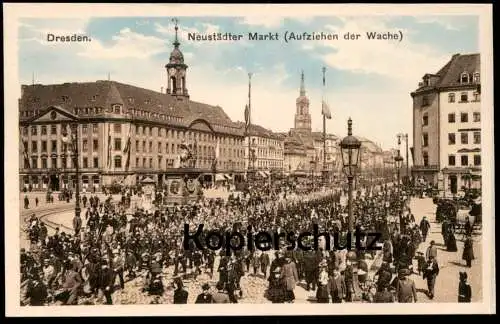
point(302, 86)
point(176, 40)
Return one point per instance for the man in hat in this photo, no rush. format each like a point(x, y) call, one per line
point(220, 297)
point(118, 267)
point(36, 291)
point(105, 282)
point(205, 297)
point(49, 273)
point(425, 226)
point(405, 287)
point(430, 273)
point(431, 251)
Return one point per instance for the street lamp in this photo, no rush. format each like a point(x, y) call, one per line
point(399, 161)
point(72, 142)
point(350, 147)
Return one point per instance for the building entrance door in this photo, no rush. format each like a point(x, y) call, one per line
point(54, 183)
point(453, 184)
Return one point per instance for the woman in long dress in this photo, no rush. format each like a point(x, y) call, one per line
point(451, 243)
point(322, 294)
point(468, 254)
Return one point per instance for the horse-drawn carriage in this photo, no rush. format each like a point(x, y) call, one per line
point(459, 213)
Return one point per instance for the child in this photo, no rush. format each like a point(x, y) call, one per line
point(421, 262)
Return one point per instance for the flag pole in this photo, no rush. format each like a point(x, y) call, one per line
point(249, 118)
point(324, 129)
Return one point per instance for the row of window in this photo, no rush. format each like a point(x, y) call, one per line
point(464, 97)
point(465, 77)
point(203, 150)
point(169, 163)
point(464, 117)
point(265, 141)
point(63, 127)
point(33, 163)
point(140, 130)
point(464, 138)
point(464, 160)
point(53, 146)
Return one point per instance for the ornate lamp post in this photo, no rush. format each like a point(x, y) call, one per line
point(72, 142)
point(350, 148)
point(398, 162)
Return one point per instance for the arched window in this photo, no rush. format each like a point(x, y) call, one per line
point(118, 162)
point(477, 79)
point(173, 83)
point(464, 77)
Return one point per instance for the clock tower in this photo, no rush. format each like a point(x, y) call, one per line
point(302, 115)
point(176, 70)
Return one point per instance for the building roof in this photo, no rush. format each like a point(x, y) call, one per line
point(104, 94)
point(257, 130)
point(449, 75)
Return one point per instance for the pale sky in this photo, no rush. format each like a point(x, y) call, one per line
point(367, 80)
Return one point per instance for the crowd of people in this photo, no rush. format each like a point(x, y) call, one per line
point(108, 244)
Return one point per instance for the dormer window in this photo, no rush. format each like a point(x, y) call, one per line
point(65, 99)
point(477, 78)
point(147, 101)
point(464, 78)
point(426, 81)
point(117, 109)
point(130, 100)
point(94, 98)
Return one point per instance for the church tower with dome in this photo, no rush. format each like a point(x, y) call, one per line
point(176, 70)
point(302, 115)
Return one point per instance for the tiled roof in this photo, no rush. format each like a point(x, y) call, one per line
point(469, 63)
point(449, 75)
point(106, 93)
point(257, 130)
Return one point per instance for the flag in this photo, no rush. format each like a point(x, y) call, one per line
point(217, 150)
point(247, 118)
point(325, 110)
point(126, 150)
point(109, 145)
point(26, 157)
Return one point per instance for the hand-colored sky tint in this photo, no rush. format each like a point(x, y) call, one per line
point(369, 81)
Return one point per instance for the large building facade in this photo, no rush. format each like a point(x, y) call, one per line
point(265, 152)
point(125, 133)
point(447, 125)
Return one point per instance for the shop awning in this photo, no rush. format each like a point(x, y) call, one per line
point(220, 177)
point(227, 176)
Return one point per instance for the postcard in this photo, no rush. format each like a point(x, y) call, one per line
point(161, 157)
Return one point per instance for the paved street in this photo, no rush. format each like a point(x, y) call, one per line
point(450, 263)
point(254, 286)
